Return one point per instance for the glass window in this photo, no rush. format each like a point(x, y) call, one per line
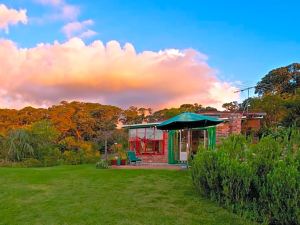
point(132, 133)
point(150, 147)
point(141, 133)
point(150, 133)
point(146, 140)
point(158, 134)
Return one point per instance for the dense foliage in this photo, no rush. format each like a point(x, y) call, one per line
point(282, 81)
point(39, 145)
point(260, 181)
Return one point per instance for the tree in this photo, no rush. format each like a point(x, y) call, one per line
point(231, 106)
point(293, 108)
point(132, 115)
point(208, 109)
point(283, 80)
point(43, 138)
point(278, 96)
point(273, 106)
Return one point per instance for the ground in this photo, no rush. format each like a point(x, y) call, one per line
point(85, 195)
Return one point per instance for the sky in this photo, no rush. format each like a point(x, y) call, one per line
point(158, 53)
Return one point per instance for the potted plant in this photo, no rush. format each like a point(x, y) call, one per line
point(118, 148)
point(114, 160)
point(118, 161)
point(123, 157)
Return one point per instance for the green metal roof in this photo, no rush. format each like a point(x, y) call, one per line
point(141, 125)
point(188, 120)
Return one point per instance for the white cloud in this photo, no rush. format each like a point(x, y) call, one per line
point(49, 73)
point(11, 17)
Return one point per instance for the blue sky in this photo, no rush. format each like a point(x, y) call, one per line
point(242, 39)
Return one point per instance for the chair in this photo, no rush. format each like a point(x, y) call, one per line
point(132, 158)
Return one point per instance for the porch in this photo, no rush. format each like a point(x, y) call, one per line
point(151, 166)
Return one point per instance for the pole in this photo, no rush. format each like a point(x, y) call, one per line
point(106, 158)
point(248, 90)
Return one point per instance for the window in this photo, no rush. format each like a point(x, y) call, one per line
point(146, 140)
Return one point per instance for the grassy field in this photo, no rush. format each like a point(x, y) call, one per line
point(85, 195)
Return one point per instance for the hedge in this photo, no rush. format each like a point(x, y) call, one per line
point(259, 181)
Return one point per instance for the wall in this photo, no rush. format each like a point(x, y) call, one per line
point(157, 158)
point(231, 125)
point(251, 125)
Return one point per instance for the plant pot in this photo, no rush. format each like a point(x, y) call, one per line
point(118, 162)
point(113, 162)
point(123, 161)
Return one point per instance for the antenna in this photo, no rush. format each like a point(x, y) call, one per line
point(248, 91)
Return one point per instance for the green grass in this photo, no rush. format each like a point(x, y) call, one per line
point(85, 195)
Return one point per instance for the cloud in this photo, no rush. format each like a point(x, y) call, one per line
point(61, 10)
point(88, 34)
point(11, 17)
point(111, 74)
point(79, 29)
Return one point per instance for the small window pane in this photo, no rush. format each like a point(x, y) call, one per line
point(150, 133)
point(132, 133)
point(158, 135)
point(141, 133)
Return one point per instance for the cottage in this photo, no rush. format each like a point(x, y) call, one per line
point(176, 145)
point(172, 141)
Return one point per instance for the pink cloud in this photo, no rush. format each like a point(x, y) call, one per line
point(112, 74)
point(11, 17)
point(79, 29)
point(70, 12)
point(88, 34)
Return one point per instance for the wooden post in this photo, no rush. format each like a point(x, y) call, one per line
point(188, 144)
point(204, 134)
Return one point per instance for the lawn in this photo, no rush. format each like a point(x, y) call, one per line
point(85, 195)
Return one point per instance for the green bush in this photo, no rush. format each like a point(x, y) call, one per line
point(31, 162)
point(53, 158)
point(19, 145)
point(260, 181)
point(102, 164)
point(73, 157)
point(39, 145)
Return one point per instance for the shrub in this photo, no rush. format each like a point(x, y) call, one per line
point(73, 157)
point(19, 145)
point(53, 158)
point(78, 152)
point(102, 164)
point(31, 162)
point(260, 181)
point(283, 194)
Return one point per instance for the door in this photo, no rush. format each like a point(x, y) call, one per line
point(184, 145)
